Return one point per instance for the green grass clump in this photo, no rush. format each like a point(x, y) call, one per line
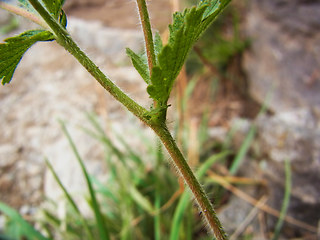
point(140, 199)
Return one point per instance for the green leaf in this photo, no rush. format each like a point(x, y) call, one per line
point(212, 7)
point(140, 61)
point(140, 64)
point(157, 44)
point(12, 50)
point(55, 8)
point(185, 30)
point(159, 88)
point(22, 229)
point(63, 18)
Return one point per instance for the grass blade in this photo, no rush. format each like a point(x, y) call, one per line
point(249, 138)
point(101, 136)
point(70, 199)
point(157, 226)
point(23, 230)
point(286, 201)
point(243, 150)
point(101, 188)
point(209, 162)
point(178, 215)
point(140, 200)
point(103, 231)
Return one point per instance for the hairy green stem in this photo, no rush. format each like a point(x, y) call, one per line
point(159, 126)
point(147, 32)
point(184, 169)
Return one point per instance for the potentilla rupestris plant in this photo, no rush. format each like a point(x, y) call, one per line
point(159, 68)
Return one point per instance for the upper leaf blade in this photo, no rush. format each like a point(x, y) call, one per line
point(53, 6)
point(13, 49)
point(140, 63)
point(185, 30)
point(212, 7)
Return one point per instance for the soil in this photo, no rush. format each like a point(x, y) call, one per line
point(120, 13)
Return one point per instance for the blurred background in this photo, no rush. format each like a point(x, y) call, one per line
point(245, 109)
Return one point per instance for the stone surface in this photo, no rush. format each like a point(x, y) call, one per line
point(4, 17)
point(292, 136)
point(48, 85)
point(236, 212)
point(285, 53)
point(109, 42)
point(284, 61)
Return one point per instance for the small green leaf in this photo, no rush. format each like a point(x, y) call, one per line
point(55, 8)
point(140, 64)
point(212, 7)
point(12, 50)
point(157, 44)
point(158, 89)
point(185, 30)
point(63, 18)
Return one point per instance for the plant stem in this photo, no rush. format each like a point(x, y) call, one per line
point(160, 128)
point(184, 169)
point(65, 40)
point(147, 32)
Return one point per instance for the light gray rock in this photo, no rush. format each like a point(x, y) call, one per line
point(237, 210)
point(292, 136)
point(285, 53)
point(110, 42)
point(4, 17)
point(48, 85)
